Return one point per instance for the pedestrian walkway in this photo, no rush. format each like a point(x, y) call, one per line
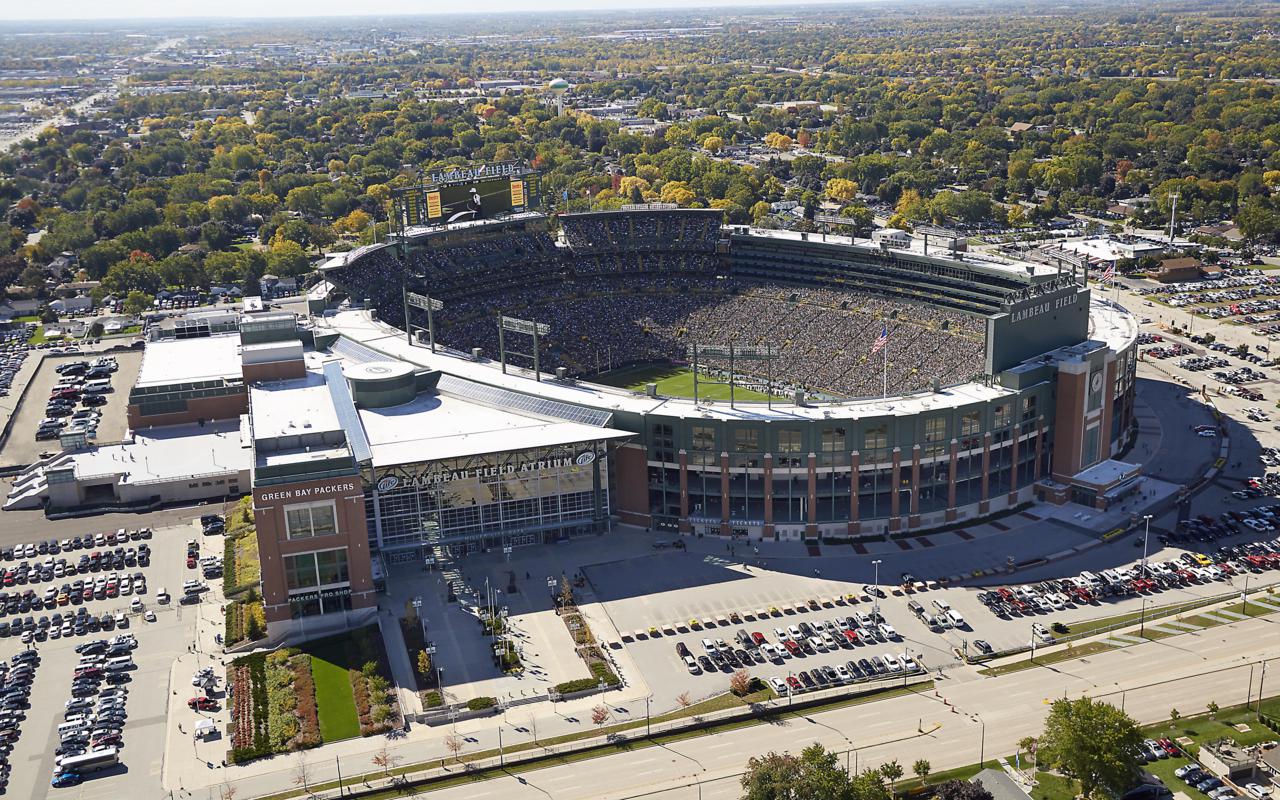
point(1231, 614)
point(1186, 626)
point(1165, 629)
point(1124, 638)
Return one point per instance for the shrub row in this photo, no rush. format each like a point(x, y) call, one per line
point(304, 686)
point(481, 703)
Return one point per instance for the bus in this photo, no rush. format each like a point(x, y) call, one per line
point(91, 761)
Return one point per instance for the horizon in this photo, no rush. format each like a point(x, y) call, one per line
point(245, 10)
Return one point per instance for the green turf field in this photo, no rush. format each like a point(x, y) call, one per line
point(675, 381)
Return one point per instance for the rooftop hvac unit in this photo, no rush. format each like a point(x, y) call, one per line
point(651, 389)
point(562, 373)
point(475, 353)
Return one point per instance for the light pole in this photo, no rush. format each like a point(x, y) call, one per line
point(1142, 618)
point(1262, 677)
point(1146, 532)
point(982, 741)
point(875, 605)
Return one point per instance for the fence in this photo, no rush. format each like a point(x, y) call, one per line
point(452, 766)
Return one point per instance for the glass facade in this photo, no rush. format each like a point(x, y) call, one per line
point(496, 500)
point(983, 436)
point(317, 583)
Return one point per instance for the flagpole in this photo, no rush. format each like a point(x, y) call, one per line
point(884, 386)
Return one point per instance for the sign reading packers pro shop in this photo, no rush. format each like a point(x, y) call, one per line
point(436, 474)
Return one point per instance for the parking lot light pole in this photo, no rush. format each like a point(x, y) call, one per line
point(646, 717)
point(1146, 533)
point(875, 601)
point(1142, 617)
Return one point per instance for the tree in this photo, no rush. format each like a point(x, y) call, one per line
point(1093, 743)
point(385, 759)
point(1174, 716)
point(424, 664)
point(226, 791)
point(921, 768)
point(815, 774)
point(713, 144)
point(740, 682)
point(891, 771)
point(956, 789)
point(136, 302)
point(453, 743)
point(599, 715)
point(842, 189)
point(302, 773)
point(683, 700)
point(1212, 707)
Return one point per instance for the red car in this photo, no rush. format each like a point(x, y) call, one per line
point(794, 683)
point(89, 672)
point(191, 562)
point(1168, 746)
point(851, 636)
point(202, 704)
point(110, 740)
point(792, 647)
point(757, 637)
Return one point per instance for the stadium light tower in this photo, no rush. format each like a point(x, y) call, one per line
point(556, 88)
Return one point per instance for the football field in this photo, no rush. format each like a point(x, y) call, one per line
point(676, 381)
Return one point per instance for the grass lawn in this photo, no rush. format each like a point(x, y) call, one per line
point(676, 381)
point(336, 705)
point(1052, 787)
point(37, 337)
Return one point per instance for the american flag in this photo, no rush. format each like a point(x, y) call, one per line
point(880, 341)
point(1110, 273)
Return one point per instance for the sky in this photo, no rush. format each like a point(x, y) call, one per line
point(168, 9)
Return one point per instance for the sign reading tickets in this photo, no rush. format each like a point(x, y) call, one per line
point(307, 492)
point(433, 205)
point(517, 192)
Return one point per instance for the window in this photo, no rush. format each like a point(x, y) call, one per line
point(970, 430)
point(704, 438)
point(833, 440)
point(746, 440)
point(310, 519)
point(1029, 411)
point(789, 440)
point(308, 570)
point(663, 442)
point(1003, 416)
point(876, 439)
point(935, 433)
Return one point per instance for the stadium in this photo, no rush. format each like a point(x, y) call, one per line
point(744, 382)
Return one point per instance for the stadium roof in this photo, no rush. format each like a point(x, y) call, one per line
point(435, 427)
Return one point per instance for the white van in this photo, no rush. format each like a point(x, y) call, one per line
point(75, 724)
point(98, 386)
point(119, 664)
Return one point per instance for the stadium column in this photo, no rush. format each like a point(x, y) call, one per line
point(724, 494)
point(951, 481)
point(1013, 464)
point(855, 526)
point(984, 504)
point(913, 521)
point(685, 527)
point(811, 521)
point(895, 493)
point(768, 497)
point(1107, 407)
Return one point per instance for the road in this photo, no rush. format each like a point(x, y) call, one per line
point(1186, 671)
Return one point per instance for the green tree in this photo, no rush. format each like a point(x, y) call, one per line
point(136, 302)
point(815, 774)
point(1093, 743)
point(922, 768)
point(961, 790)
point(891, 771)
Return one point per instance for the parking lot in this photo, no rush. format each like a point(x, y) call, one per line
point(21, 446)
point(142, 713)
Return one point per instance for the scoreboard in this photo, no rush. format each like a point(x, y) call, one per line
point(464, 195)
point(461, 202)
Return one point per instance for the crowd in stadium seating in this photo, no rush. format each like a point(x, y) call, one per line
point(824, 336)
point(631, 232)
point(647, 286)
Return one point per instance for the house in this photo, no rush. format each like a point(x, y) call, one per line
point(65, 264)
point(1177, 270)
point(71, 305)
point(1019, 127)
point(1001, 785)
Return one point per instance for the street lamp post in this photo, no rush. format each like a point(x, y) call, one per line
point(875, 606)
point(1142, 618)
point(647, 731)
point(1146, 532)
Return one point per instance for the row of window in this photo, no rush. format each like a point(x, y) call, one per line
point(310, 570)
point(788, 446)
